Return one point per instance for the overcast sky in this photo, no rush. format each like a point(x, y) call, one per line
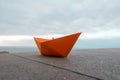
point(95, 18)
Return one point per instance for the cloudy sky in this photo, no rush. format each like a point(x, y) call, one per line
point(20, 20)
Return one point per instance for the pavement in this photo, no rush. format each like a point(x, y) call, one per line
point(84, 64)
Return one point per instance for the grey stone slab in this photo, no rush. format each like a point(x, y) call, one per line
point(99, 63)
point(17, 68)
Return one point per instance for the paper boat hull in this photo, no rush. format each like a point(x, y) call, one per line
point(58, 47)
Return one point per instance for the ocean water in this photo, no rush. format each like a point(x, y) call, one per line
point(97, 43)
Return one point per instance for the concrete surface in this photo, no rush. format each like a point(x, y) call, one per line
point(17, 68)
point(88, 64)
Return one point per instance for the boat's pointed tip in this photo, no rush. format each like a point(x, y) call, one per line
point(79, 32)
point(35, 38)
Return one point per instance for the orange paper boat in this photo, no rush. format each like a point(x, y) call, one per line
point(58, 47)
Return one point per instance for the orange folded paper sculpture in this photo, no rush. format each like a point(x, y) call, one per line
point(58, 47)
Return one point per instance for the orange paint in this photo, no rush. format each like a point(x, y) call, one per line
point(59, 47)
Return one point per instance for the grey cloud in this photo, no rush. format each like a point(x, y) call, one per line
point(57, 16)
